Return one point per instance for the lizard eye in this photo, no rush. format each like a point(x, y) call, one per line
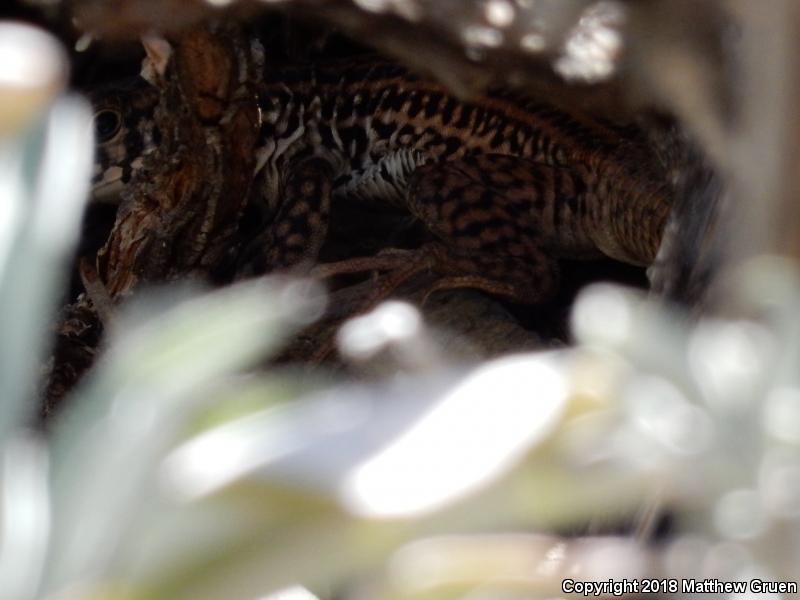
point(106, 124)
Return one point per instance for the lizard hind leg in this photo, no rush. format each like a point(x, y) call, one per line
point(483, 210)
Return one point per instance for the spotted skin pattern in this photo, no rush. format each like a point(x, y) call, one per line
point(299, 229)
point(506, 184)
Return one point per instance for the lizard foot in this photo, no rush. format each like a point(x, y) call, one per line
point(528, 280)
point(388, 259)
point(474, 282)
point(525, 280)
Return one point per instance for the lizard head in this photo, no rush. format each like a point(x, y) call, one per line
point(125, 132)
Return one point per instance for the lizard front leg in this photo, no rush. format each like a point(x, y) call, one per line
point(294, 237)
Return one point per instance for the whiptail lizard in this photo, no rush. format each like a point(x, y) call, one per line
point(506, 185)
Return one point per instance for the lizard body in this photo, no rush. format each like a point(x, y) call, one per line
point(506, 183)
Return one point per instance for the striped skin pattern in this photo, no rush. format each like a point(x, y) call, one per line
point(507, 185)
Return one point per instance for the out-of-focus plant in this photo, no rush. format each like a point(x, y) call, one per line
point(45, 160)
point(176, 476)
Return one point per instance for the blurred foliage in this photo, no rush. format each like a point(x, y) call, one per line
point(178, 473)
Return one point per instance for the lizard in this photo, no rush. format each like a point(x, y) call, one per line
point(507, 185)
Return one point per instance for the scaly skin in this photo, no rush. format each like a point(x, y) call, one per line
point(506, 184)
